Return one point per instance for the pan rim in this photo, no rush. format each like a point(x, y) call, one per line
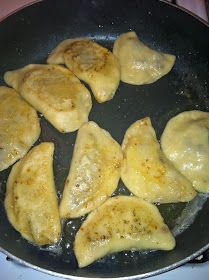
point(185, 11)
point(163, 1)
point(133, 277)
point(19, 9)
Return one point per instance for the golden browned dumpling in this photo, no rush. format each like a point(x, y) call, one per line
point(55, 92)
point(140, 64)
point(185, 143)
point(90, 62)
point(19, 127)
point(94, 171)
point(145, 170)
point(31, 201)
point(121, 223)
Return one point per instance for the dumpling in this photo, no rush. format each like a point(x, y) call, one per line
point(31, 202)
point(145, 170)
point(140, 64)
point(55, 92)
point(57, 55)
point(94, 171)
point(91, 63)
point(19, 127)
point(121, 223)
point(185, 143)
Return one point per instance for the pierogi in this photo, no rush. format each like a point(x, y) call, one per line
point(19, 127)
point(55, 92)
point(91, 63)
point(185, 143)
point(121, 223)
point(145, 170)
point(94, 171)
point(31, 201)
point(140, 64)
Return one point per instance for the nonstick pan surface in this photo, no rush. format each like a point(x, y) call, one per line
point(29, 35)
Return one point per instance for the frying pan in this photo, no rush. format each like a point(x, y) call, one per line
point(29, 35)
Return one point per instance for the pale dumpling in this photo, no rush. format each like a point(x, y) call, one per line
point(121, 223)
point(185, 141)
point(55, 92)
point(91, 63)
point(145, 170)
point(19, 127)
point(94, 171)
point(31, 202)
point(140, 64)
